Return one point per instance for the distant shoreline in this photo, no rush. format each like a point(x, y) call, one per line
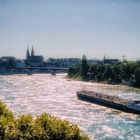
point(101, 82)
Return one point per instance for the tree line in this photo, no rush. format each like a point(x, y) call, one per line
point(127, 72)
point(7, 62)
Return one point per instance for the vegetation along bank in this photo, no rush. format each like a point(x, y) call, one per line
point(43, 127)
point(125, 72)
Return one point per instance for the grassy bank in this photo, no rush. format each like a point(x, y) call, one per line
point(43, 127)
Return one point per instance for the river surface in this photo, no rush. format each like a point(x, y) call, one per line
point(56, 95)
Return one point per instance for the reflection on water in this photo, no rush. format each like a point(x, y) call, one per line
point(57, 95)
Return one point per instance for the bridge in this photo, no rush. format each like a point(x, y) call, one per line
point(41, 69)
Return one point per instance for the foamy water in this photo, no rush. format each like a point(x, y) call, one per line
point(56, 95)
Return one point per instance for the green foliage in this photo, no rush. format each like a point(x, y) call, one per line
point(75, 71)
point(43, 127)
point(20, 128)
point(5, 112)
point(84, 68)
point(54, 128)
point(107, 72)
point(137, 77)
point(6, 117)
point(111, 73)
point(7, 62)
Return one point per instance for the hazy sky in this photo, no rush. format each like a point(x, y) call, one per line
point(70, 28)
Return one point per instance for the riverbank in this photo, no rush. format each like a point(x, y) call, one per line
point(127, 73)
point(42, 127)
point(78, 78)
point(97, 82)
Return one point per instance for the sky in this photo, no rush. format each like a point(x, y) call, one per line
point(70, 28)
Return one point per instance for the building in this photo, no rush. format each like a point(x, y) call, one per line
point(94, 61)
point(32, 59)
point(110, 61)
point(63, 62)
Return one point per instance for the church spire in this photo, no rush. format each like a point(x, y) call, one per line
point(32, 52)
point(27, 53)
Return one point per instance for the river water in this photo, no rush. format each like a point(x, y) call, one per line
point(56, 95)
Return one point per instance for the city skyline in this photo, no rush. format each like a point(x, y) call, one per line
point(70, 28)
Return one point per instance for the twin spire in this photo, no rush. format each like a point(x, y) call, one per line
point(28, 52)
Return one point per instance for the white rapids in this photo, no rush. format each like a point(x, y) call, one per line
point(56, 95)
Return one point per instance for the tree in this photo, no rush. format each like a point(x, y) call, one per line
point(8, 62)
point(84, 69)
point(74, 71)
point(137, 77)
point(107, 72)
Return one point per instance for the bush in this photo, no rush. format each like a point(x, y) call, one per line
point(4, 111)
point(43, 127)
point(6, 116)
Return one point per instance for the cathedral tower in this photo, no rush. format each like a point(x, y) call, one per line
point(32, 52)
point(27, 53)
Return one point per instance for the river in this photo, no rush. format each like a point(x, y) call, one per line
point(56, 95)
